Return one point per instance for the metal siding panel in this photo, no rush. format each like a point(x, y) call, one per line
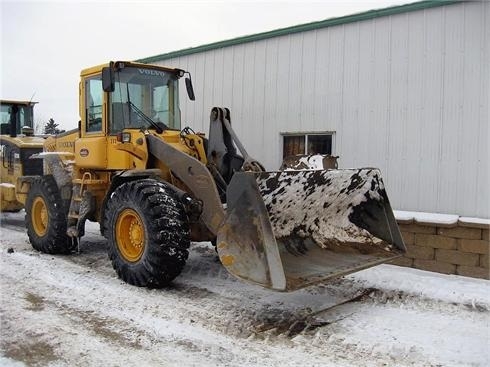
point(227, 85)
point(199, 89)
point(451, 164)
point(255, 122)
point(271, 139)
point(483, 192)
point(366, 134)
point(295, 82)
point(283, 85)
point(381, 90)
point(307, 97)
point(397, 108)
point(208, 84)
point(432, 91)
point(238, 84)
point(245, 124)
point(415, 111)
point(194, 109)
point(321, 87)
point(334, 86)
point(350, 101)
point(474, 134)
point(246, 129)
point(217, 81)
point(182, 63)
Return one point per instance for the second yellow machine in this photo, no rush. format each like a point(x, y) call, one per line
point(155, 187)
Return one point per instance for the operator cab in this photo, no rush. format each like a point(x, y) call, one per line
point(139, 98)
point(118, 102)
point(16, 117)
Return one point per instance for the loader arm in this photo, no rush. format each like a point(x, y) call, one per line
point(196, 176)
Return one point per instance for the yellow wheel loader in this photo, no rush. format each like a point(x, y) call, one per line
point(17, 144)
point(154, 187)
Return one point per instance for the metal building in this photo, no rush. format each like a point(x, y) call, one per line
point(405, 89)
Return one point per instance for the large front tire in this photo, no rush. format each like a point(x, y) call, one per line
point(46, 218)
point(147, 232)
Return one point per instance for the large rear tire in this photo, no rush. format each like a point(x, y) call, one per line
point(46, 218)
point(147, 232)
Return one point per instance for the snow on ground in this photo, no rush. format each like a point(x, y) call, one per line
point(74, 311)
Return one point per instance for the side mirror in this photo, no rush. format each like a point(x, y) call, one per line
point(190, 89)
point(108, 84)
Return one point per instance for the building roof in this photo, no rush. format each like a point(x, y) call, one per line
point(371, 14)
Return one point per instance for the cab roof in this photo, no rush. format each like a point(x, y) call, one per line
point(13, 102)
point(98, 68)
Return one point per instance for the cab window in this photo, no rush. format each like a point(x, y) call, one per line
point(94, 103)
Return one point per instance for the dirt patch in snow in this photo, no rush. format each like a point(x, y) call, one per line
point(31, 352)
point(36, 302)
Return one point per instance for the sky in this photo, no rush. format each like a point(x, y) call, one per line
point(45, 44)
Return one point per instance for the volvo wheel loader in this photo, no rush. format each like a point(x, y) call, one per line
point(155, 187)
point(17, 144)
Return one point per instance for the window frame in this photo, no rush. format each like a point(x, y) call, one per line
point(87, 88)
point(306, 134)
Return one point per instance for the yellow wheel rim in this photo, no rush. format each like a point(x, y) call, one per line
point(39, 216)
point(130, 235)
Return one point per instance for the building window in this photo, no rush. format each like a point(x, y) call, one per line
point(294, 144)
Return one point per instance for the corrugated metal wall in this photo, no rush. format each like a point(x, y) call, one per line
point(408, 93)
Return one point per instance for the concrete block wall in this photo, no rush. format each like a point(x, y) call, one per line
point(460, 248)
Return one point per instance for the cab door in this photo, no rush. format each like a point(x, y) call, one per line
point(91, 147)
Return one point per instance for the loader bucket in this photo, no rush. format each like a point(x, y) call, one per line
point(291, 229)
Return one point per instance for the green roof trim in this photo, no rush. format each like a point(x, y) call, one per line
point(370, 14)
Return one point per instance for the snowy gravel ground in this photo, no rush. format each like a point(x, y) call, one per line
point(74, 311)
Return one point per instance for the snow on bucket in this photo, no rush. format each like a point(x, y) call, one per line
point(290, 229)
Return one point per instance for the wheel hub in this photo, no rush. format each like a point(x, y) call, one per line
point(130, 235)
point(39, 216)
